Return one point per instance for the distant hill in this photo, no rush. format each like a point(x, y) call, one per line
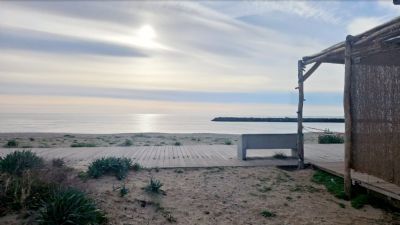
point(277, 119)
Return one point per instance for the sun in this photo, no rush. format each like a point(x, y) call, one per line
point(147, 32)
point(146, 37)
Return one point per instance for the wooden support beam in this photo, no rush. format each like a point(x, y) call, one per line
point(347, 116)
point(311, 71)
point(300, 136)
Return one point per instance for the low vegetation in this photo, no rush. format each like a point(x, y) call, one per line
point(43, 192)
point(137, 167)
point(69, 207)
point(79, 145)
point(264, 189)
point(267, 213)
point(333, 184)
point(127, 142)
point(359, 201)
point(330, 139)
point(58, 162)
point(110, 165)
point(22, 192)
point(11, 144)
point(154, 186)
point(178, 170)
point(228, 142)
point(279, 155)
point(19, 161)
point(123, 190)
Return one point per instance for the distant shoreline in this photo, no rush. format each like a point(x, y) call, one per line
point(278, 119)
point(66, 140)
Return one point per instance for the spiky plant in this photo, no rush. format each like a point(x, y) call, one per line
point(110, 165)
point(69, 207)
point(19, 161)
point(154, 186)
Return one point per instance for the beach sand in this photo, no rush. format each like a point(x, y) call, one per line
point(53, 140)
point(229, 196)
point(224, 196)
point(219, 195)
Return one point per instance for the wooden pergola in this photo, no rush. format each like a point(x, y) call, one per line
point(376, 47)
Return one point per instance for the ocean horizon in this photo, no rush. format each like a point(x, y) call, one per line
point(101, 123)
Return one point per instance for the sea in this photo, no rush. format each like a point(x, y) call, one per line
point(102, 123)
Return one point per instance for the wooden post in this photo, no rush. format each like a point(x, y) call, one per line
point(347, 116)
point(300, 137)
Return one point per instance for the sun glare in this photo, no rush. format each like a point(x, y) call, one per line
point(147, 32)
point(145, 37)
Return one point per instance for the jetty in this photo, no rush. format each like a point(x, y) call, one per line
point(278, 119)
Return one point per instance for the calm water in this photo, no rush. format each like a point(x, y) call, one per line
point(134, 123)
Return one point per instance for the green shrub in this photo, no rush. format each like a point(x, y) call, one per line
point(137, 167)
point(58, 162)
point(83, 175)
point(178, 170)
point(264, 189)
point(11, 144)
point(266, 213)
point(78, 145)
point(330, 139)
point(154, 186)
point(19, 161)
point(177, 143)
point(110, 165)
point(69, 207)
point(69, 136)
point(22, 192)
point(228, 142)
point(359, 201)
point(279, 155)
point(127, 142)
point(123, 191)
point(334, 184)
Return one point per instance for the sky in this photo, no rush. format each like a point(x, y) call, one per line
point(217, 57)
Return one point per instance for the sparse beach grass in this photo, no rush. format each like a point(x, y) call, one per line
point(220, 194)
point(190, 196)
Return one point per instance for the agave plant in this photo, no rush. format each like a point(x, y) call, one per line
point(19, 161)
point(154, 186)
point(117, 166)
point(69, 207)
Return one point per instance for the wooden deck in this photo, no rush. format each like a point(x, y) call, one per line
point(330, 158)
point(327, 157)
point(159, 156)
point(186, 156)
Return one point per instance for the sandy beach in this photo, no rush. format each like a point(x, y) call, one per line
point(217, 195)
point(52, 140)
point(224, 196)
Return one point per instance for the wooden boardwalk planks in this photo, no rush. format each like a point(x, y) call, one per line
point(156, 156)
point(329, 157)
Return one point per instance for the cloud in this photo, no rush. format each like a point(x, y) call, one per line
point(64, 104)
point(265, 97)
point(362, 24)
point(390, 8)
point(203, 46)
point(44, 42)
point(203, 51)
point(325, 12)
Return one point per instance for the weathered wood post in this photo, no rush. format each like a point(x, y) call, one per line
point(347, 116)
point(300, 137)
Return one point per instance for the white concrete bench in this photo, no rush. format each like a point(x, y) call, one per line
point(266, 141)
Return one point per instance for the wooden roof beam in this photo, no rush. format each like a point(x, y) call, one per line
point(311, 71)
